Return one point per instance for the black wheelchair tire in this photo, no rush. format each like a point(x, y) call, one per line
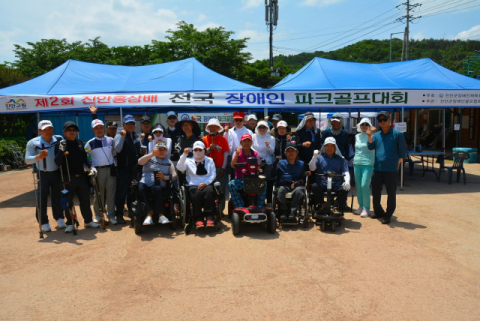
point(235, 223)
point(271, 223)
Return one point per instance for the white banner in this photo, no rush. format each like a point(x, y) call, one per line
point(242, 100)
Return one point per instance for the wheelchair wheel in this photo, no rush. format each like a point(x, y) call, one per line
point(333, 226)
point(322, 227)
point(235, 223)
point(137, 224)
point(271, 223)
point(172, 216)
point(183, 206)
point(187, 229)
point(230, 208)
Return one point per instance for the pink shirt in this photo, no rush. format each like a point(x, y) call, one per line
point(243, 159)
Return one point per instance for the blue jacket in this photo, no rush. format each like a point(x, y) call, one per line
point(389, 148)
point(287, 173)
point(334, 164)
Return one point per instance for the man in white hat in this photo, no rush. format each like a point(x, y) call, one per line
point(330, 160)
point(218, 150)
point(40, 151)
point(101, 151)
point(252, 121)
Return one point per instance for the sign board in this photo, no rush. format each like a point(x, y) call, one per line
point(401, 127)
point(456, 127)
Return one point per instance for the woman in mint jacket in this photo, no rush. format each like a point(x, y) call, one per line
point(363, 167)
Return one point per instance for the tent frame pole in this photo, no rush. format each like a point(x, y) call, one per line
point(121, 115)
point(415, 131)
point(443, 130)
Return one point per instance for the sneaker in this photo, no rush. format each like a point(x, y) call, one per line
point(69, 229)
point(148, 221)
point(365, 213)
point(359, 211)
point(97, 219)
point(61, 223)
point(163, 220)
point(91, 225)
point(199, 224)
point(46, 227)
point(121, 220)
point(113, 220)
point(210, 223)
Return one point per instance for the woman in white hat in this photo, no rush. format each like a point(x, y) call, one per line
point(158, 135)
point(264, 144)
point(200, 174)
point(363, 162)
point(218, 150)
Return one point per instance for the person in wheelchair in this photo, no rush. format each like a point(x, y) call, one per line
point(330, 160)
point(200, 174)
point(241, 154)
point(158, 169)
point(290, 179)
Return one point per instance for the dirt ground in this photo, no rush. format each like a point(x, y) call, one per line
point(425, 265)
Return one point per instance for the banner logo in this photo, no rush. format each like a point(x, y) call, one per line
point(20, 104)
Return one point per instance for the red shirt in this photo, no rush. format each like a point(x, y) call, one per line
point(217, 156)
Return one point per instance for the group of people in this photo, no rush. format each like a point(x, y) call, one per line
point(163, 157)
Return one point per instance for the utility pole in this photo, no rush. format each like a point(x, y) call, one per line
point(409, 18)
point(271, 18)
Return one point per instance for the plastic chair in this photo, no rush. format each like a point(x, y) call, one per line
point(411, 163)
point(459, 158)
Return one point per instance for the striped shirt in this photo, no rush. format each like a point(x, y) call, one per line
point(101, 151)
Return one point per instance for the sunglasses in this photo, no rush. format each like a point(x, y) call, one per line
point(262, 127)
point(130, 123)
point(197, 150)
point(364, 124)
point(70, 130)
point(336, 117)
point(171, 117)
point(381, 120)
point(238, 119)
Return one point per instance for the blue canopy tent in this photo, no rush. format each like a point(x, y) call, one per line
point(73, 86)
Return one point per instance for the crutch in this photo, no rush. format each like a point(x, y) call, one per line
point(71, 208)
point(37, 185)
point(101, 206)
point(353, 196)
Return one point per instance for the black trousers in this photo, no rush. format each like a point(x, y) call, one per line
point(50, 180)
point(319, 189)
point(124, 183)
point(157, 192)
point(390, 181)
point(79, 186)
point(205, 199)
point(297, 195)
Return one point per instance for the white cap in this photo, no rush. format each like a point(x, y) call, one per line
point(158, 127)
point(97, 122)
point(282, 123)
point(335, 119)
point(213, 122)
point(330, 140)
point(44, 124)
point(198, 144)
point(252, 116)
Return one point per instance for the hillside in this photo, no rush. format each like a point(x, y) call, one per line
point(448, 53)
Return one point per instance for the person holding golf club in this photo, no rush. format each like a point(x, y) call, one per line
point(101, 152)
point(40, 151)
point(72, 159)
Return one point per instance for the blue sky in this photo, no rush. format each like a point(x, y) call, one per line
point(304, 25)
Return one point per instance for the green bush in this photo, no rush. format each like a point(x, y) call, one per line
point(6, 151)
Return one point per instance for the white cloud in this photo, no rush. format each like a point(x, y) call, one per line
point(208, 25)
point(201, 17)
point(320, 3)
point(124, 21)
point(254, 35)
point(472, 33)
point(7, 41)
point(252, 3)
point(418, 36)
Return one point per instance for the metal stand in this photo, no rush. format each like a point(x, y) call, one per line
point(37, 185)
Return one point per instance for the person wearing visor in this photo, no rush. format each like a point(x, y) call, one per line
point(157, 170)
point(275, 119)
point(330, 160)
point(282, 138)
point(234, 134)
point(308, 138)
point(158, 136)
point(146, 125)
point(341, 136)
point(264, 144)
point(291, 179)
point(127, 147)
point(252, 121)
point(200, 174)
point(390, 149)
point(75, 174)
point(101, 151)
point(218, 150)
point(241, 154)
point(363, 162)
point(41, 152)
point(191, 134)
